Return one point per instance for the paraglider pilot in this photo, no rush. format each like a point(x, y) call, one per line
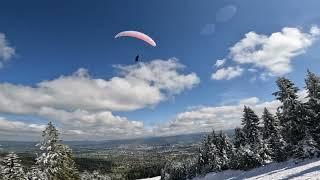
point(137, 58)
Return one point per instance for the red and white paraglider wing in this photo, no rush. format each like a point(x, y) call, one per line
point(138, 35)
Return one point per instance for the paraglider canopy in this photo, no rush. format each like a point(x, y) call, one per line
point(138, 35)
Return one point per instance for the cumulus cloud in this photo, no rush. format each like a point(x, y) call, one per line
point(205, 119)
point(224, 117)
point(208, 29)
point(6, 52)
point(227, 73)
point(84, 106)
point(13, 130)
point(273, 53)
point(226, 13)
point(102, 125)
point(220, 62)
point(83, 124)
point(137, 86)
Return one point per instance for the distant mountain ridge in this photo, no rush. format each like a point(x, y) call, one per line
point(20, 146)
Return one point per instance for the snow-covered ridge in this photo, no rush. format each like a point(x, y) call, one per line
point(308, 169)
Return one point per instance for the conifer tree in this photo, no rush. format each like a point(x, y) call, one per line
point(55, 160)
point(272, 137)
point(313, 87)
point(12, 169)
point(95, 175)
point(245, 159)
point(213, 161)
point(240, 138)
point(292, 114)
point(250, 122)
point(277, 146)
point(226, 151)
point(269, 124)
point(254, 145)
point(307, 148)
point(36, 174)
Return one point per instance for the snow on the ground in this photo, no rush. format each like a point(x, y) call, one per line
point(154, 178)
point(308, 169)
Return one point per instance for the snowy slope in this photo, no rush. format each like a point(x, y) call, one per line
point(154, 178)
point(309, 169)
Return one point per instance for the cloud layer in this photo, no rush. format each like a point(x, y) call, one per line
point(205, 119)
point(137, 86)
point(225, 117)
point(84, 105)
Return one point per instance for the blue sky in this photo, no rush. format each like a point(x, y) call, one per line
point(55, 38)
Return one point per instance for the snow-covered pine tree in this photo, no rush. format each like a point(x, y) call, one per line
point(226, 151)
point(312, 82)
point(1, 170)
point(191, 168)
point(215, 153)
point(307, 148)
point(272, 138)
point(250, 122)
point(36, 174)
point(240, 138)
point(292, 114)
point(269, 124)
point(251, 129)
point(203, 159)
point(214, 160)
point(95, 175)
point(55, 159)
point(278, 147)
point(245, 159)
point(174, 171)
point(12, 169)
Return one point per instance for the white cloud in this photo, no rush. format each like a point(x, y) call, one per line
point(13, 130)
point(205, 119)
point(249, 101)
point(102, 125)
point(220, 62)
point(273, 53)
point(253, 70)
point(208, 29)
point(83, 106)
point(226, 13)
point(75, 125)
point(6, 52)
point(227, 73)
point(82, 124)
point(224, 117)
point(137, 86)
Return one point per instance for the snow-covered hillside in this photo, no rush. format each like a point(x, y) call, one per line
point(309, 169)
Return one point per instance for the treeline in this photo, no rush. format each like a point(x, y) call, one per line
point(54, 162)
point(292, 133)
point(94, 164)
